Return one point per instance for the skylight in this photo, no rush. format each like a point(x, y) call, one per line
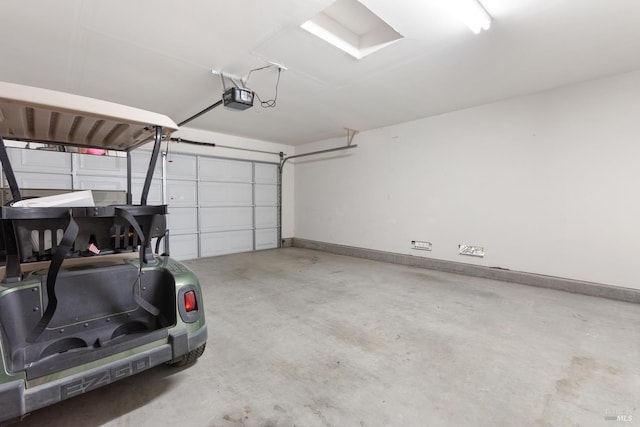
point(350, 26)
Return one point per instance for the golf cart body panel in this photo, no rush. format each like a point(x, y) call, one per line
point(84, 299)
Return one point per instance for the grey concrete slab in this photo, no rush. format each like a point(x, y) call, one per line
point(305, 338)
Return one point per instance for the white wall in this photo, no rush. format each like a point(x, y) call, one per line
point(235, 141)
point(548, 184)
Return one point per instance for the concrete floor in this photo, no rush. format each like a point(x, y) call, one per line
point(305, 338)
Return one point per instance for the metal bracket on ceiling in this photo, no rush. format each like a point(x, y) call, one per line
point(231, 77)
point(350, 135)
point(224, 86)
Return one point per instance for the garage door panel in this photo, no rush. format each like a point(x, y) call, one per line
point(223, 170)
point(266, 195)
point(226, 219)
point(183, 246)
point(182, 220)
point(101, 183)
point(225, 194)
point(102, 165)
point(27, 160)
point(40, 180)
point(266, 217)
point(226, 242)
point(182, 166)
point(182, 193)
point(266, 173)
point(267, 239)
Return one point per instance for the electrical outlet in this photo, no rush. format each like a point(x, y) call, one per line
point(419, 245)
point(471, 250)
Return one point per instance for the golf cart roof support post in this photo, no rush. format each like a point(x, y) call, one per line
point(152, 166)
point(8, 172)
point(13, 271)
point(129, 195)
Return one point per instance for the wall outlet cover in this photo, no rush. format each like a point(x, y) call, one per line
point(471, 250)
point(421, 245)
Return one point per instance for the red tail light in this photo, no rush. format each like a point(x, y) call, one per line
point(190, 302)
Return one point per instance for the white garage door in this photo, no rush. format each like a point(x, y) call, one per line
point(220, 206)
point(216, 206)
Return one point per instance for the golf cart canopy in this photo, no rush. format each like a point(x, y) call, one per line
point(35, 114)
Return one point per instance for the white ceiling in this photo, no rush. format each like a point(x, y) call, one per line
point(158, 55)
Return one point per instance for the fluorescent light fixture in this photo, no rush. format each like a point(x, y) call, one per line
point(472, 13)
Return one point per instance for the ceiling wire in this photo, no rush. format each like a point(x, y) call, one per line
point(268, 103)
point(246, 80)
